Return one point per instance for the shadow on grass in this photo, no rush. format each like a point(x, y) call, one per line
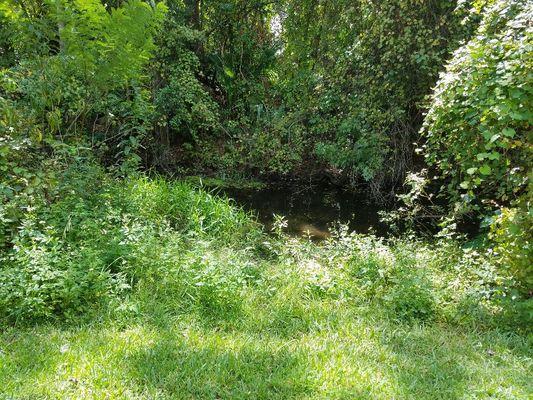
point(443, 362)
point(217, 367)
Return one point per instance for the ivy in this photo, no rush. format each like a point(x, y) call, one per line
point(478, 129)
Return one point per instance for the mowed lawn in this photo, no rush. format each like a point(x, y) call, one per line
point(322, 349)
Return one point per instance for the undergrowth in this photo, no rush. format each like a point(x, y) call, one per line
point(170, 265)
point(103, 238)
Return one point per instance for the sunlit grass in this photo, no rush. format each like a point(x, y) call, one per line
point(338, 356)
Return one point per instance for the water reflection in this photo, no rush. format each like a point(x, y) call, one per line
point(311, 210)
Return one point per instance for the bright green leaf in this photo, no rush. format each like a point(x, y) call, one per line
point(485, 169)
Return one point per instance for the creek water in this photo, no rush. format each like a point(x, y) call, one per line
point(311, 210)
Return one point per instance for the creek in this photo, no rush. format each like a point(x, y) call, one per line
point(311, 210)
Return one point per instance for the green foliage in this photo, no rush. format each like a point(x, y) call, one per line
point(73, 82)
point(338, 81)
point(187, 111)
point(246, 86)
point(79, 70)
point(404, 290)
point(478, 129)
point(109, 48)
point(277, 144)
point(26, 174)
point(362, 69)
point(73, 88)
point(212, 63)
point(276, 88)
point(96, 235)
point(512, 233)
point(7, 52)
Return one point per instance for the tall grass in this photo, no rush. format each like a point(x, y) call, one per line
point(99, 235)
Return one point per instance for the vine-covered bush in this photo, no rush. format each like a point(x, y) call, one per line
point(478, 128)
point(187, 112)
point(365, 67)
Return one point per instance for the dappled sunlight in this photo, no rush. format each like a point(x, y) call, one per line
point(354, 357)
point(207, 316)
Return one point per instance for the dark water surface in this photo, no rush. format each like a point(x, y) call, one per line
point(312, 209)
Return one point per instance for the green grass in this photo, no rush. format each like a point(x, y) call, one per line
point(193, 301)
point(328, 350)
point(225, 183)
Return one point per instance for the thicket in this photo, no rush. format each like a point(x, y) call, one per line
point(478, 133)
point(287, 88)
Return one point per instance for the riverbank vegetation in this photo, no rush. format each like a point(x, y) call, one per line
point(122, 277)
point(148, 289)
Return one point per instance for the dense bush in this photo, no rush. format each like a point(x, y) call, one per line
point(98, 235)
point(478, 130)
point(262, 88)
point(187, 114)
point(374, 65)
point(72, 84)
point(77, 73)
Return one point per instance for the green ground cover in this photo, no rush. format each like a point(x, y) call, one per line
point(184, 296)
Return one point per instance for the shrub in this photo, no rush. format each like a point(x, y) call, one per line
point(99, 235)
point(478, 131)
point(512, 233)
point(411, 298)
point(393, 278)
point(478, 128)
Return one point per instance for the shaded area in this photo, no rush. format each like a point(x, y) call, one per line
point(358, 360)
point(212, 367)
point(311, 209)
